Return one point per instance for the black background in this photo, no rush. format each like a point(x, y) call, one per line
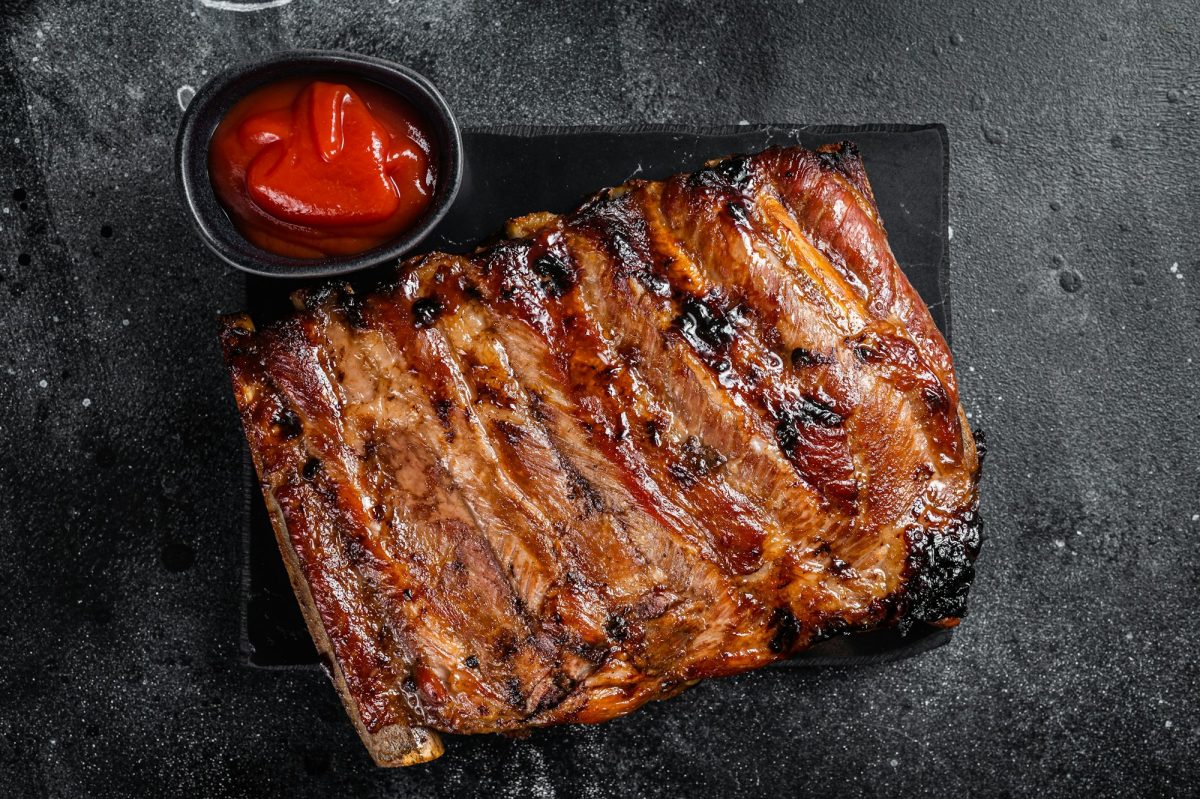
point(1076, 215)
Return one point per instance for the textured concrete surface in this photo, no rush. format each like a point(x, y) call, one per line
point(1076, 267)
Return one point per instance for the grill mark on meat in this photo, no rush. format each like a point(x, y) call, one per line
point(762, 281)
point(819, 452)
point(606, 291)
point(901, 363)
point(584, 362)
point(464, 558)
point(562, 585)
point(664, 548)
point(602, 555)
point(346, 539)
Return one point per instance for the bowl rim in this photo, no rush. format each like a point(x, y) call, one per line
point(214, 99)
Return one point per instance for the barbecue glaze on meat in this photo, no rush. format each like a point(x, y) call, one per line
point(689, 429)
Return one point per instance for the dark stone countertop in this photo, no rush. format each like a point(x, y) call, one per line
point(1075, 273)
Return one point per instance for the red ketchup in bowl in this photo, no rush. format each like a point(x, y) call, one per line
point(311, 168)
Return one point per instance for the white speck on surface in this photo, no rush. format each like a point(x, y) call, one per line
point(43, 384)
point(184, 95)
point(243, 7)
point(1168, 724)
point(1128, 636)
point(743, 122)
point(1196, 517)
point(125, 322)
point(950, 232)
point(1058, 542)
point(893, 762)
point(87, 403)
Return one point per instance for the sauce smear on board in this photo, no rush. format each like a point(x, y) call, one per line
point(313, 168)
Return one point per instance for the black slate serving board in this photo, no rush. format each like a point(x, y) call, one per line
point(516, 170)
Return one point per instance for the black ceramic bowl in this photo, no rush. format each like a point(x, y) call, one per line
point(217, 96)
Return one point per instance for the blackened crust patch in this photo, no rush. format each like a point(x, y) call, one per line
point(940, 568)
point(426, 310)
point(555, 276)
point(704, 326)
point(787, 630)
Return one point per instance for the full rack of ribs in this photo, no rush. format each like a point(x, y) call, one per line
point(689, 429)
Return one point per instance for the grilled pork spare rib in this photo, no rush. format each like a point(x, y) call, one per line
point(687, 430)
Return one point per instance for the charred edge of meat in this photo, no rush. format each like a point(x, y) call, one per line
point(787, 630)
point(236, 339)
point(737, 212)
point(560, 689)
point(804, 358)
point(442, 408)
point(339, 296)
point(616, 627)
point(834, 156)
point(981, 446)
point(287, 423)
point(311, 467)
point(696, 461)
point(939, 569)
point(935, 397)
point(426, 310)
point(735, 171)
point(654, 433)
point(806, 413)
point(704, 326)
point(556, 277)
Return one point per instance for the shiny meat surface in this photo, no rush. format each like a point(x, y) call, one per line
point(684, 431)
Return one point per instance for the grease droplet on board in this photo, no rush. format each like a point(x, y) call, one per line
point(1139, 277)
point(1055, 205)
point(1058, 260)
point(184, 95)
point(1117, 141)
point(956, 38)
point(1173, 96)
point(995, 134)
point(1070, 280)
